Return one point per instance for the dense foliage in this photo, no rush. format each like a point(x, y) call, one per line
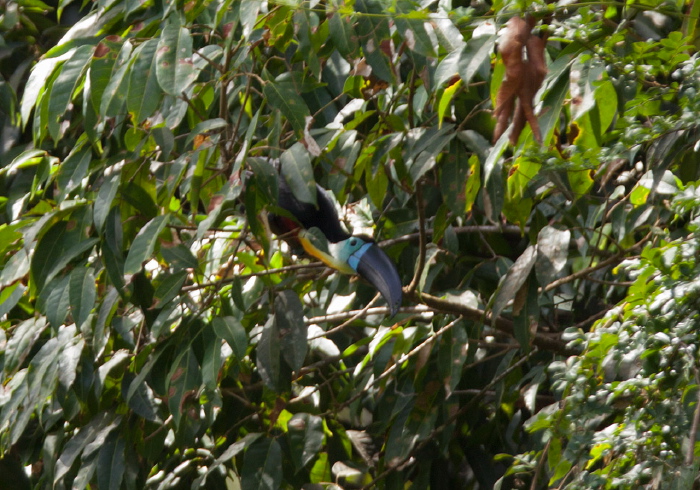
point(155, 334)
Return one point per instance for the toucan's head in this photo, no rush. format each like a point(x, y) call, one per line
point(357, 255)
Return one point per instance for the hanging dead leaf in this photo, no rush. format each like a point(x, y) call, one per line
point(523, 57)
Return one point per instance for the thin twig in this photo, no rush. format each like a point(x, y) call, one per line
point(540, 464)
point(499, 323)
point(436, 431)
point(267, 272)
point(690, 452)
point(358, 314)
point(506, 229)
point(421, 239)
point(600, 265)
point(380, 310)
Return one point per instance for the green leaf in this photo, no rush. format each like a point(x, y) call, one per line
point(373, 29)
point(452, 355)
point(305, 432)
point(145, 242)
point(10, 296)
point(289, 318)
point(454, 175)
point(552, 102)
point(261, 466)
point(230, 329)
point(82, 294)
point(444, 100)
point(174, 66)
point(184, 378)
point(111, 463)
point(424, 146)
point(204, 127)
point(514, 280)
point(114, 93)
point(71, 345)
point(299, 174)
point(268, 354)
point(21, 342)
point(411, 25)
point(100, 72)
point(74, 169)
point(475, 57)
point(493, 179)
point(144, 94)
point(93, 433)
point(55, 250)
point(169, 287)
point(283, 94)
point(105, 198)
point(57, 305)
point(180, 257)
point(141, 399)
point(342, 34)
point(266, 176)
point(231, 452)
point(64, 86)
point(16, 268)
point(36, 84)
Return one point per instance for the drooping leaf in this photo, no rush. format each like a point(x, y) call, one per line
point(552, 254)
point(183, 381)
point(144, 244)
point(144, 93)
point(82, 294)
point(298, 172)
point(174, 65)
point(65, 84)
point(305, 438)
point(22, 341)
point(268, 354)
point(261, 466)
point(111, 462)
point(514, 280)
point(230, 329)
point(282, 93)
point(289, 318)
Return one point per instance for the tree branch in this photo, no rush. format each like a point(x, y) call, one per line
point(501, 324)
point(509, 229)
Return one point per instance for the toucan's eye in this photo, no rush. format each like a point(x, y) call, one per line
point(353, 242)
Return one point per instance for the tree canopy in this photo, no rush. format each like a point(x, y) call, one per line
point(531, 168)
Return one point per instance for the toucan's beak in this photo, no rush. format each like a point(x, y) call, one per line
point(376, 267)
point(357, 255)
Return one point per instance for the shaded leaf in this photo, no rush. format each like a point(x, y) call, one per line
point(514, 279)
point(82, 294)
point(268, 354)
point(289, 318)
point(282, 94)
point(145, 242)
point(305, 438)
point(111, 463)
point(230, 329)
point(261, 466)
point(298, 172)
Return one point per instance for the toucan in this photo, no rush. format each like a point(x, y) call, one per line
point(318, 229)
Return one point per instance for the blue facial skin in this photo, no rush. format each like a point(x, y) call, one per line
point(357, 256)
